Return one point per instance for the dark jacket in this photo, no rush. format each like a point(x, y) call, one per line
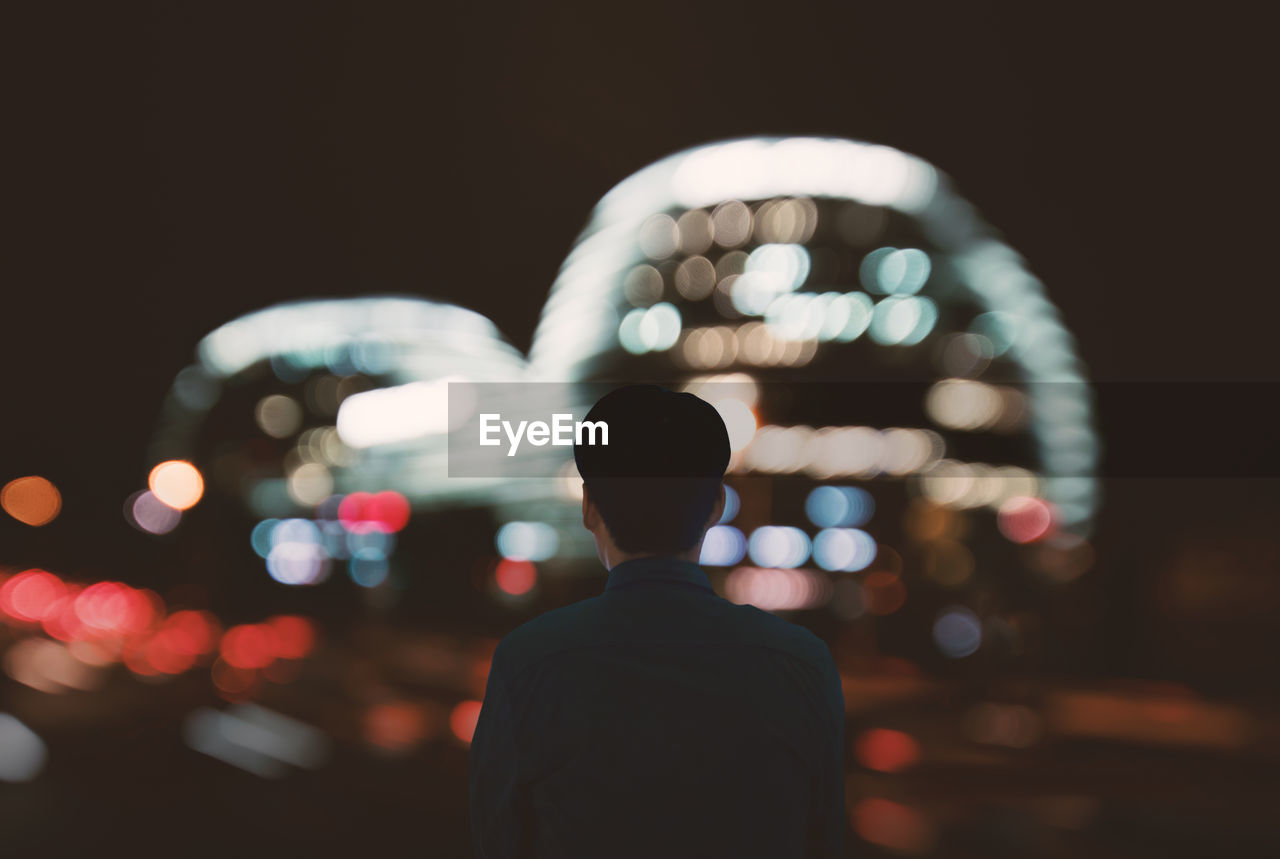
point(659, 720)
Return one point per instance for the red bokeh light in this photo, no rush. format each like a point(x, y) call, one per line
point(515, 577)
point(292, 636)
point(886, 751)
point(1025, 519)
point(61, 621)
point(31, 594)
point(190, 633)
point(248, 646)
point(462, 721)
point(164, 654)
point(390, 510)
point(135, 659)
point(385, 511)
point(111, 607)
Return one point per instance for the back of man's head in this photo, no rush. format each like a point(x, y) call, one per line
point(657, 480)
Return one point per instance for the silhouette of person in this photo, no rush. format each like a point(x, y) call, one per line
point(657, 719)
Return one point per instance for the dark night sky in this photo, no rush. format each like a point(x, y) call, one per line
point(179, 165)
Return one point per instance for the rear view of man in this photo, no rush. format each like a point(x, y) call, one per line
point(658, 720)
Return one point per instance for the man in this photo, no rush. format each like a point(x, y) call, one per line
point(658, 720)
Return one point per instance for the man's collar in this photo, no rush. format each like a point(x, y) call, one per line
point(658, 569)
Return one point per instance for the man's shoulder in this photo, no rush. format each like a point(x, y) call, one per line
point(549, 632)
point(781, 634)
point(589, 622)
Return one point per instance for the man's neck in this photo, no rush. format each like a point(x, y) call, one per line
point(615, 556)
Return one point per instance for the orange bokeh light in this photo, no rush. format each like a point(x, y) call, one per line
point(176, 483)
point(887, 751)
point(462, 721)
point(31, 500)
point(396, 726)
point(892, 825)
point(883, 592)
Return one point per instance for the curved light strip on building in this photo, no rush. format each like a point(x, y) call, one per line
point(580, 318)
point(413, 346)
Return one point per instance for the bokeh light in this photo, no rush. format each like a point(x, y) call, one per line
point(30, 595)
point(144, 511)
point(248, 646)
point(844, 549)
point(778, 546)
point(515, 577)
point(1025, 518)
point(22, 752)
point(893, 825)
point(732, 503)
point(839, 506)
point(739, 421)
point(463, 719)
point(278, 416)
point(177, 483)
point(527, 541)
point(396, 726)
point(957, 632)
point(386, 511)
point(368, 567)
point(297, 563)
point(114, 607)
point(883, 592)
point(723, 546)
point(777, 589)
point(885, 750)
point(31, 500)
point(261, 538)
point(293, 636)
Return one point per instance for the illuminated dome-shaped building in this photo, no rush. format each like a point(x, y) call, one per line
point(319, 429)
point(908, 410)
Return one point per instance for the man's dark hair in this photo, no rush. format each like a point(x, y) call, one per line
point(659, 476)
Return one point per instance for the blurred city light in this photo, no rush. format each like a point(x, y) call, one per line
point(723, 546)
point(462, 720)
point(839, 507)
point(31, 500)
point(777, 589)
point(176, 483)
point(256, 739)
point(527, 541)
point(515, 577)
point(885, 750)
point(957, 632)
point(144, 511)
point(22, 752)
point(894, 826)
